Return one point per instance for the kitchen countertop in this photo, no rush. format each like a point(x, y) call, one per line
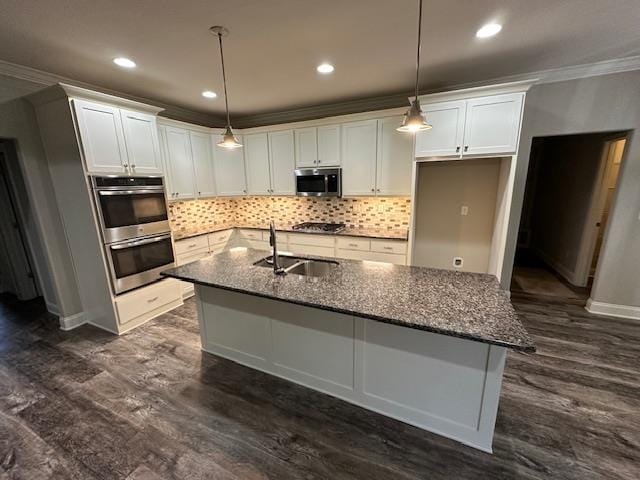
point(459, 304)
point(381, 233)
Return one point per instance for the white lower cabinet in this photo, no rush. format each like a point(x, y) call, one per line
point(138, 306)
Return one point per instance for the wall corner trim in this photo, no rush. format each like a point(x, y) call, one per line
point(613, 310)
point(73, 321)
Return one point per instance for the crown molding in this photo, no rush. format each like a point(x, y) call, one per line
point(46, 79)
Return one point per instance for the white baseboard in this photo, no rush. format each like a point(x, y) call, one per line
point(52, 308)
point(613, 310)
point(568, 275)
point(72, 321)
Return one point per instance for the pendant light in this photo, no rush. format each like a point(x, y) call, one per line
point(228, 138)
point(413, 120)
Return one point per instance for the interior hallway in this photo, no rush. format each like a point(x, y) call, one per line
point(149, 404)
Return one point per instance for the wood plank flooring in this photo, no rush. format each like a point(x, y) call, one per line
point(147, 405)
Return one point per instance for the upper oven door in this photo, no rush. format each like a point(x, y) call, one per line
point(131, 213)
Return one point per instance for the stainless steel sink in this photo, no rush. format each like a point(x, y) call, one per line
point(312, 267)
point(284, 261)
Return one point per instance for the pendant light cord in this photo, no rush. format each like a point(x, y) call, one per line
point(224, 78)
point(419, 44)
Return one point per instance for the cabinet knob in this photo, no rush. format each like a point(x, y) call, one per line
point(457, 148)
point(133, 165)
point(466, 147)
point(244, 191)
point(373, 189)
point(378, 190)
point(318, 161)
point(125, 165)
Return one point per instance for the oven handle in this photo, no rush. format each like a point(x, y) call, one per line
point(136, 243)
point(127, 192)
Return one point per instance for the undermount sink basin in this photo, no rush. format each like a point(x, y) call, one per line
point(311, 267)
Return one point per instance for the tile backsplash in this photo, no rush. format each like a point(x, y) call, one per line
point(390, 213)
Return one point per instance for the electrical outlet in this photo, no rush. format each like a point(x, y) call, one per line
point(458, 262)
point(381, 208)
point(464, 211)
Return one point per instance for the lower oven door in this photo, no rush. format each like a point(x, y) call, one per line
point(135, 263)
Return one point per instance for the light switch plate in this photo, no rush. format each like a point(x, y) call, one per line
point(464, 211)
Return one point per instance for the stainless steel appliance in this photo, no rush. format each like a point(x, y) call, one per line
point(318, 182)
point(319, 227)
point(130, 207)
point(138, 262)
point(134, 221)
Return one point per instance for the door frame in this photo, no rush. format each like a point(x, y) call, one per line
point(590, 233)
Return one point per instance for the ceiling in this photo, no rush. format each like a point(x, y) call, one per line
point(274, 46)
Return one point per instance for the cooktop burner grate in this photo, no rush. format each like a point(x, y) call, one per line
point(319, 227)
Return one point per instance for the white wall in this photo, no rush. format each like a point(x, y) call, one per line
point(596, 104)
point(43, 224)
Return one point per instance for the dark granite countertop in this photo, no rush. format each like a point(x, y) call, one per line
point(459, 304)
point(380, 233)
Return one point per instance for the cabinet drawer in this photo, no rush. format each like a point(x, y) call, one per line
point(312, 250)
point(389, 246)
point(387, 258)
point(219, 237)
point(185, 258)
point(353, 243)
point(192, 244)
point(146, 302)
point(311, 239)
point(251, 234)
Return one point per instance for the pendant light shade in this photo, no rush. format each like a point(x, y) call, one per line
point(414, 120)
point(228, 138)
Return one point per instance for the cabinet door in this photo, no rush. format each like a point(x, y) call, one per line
point(329, 146)
point(282, 162)
point(180, 164)
point(202, 164)
point(395, 159)
point(102, 137)
point(493, 124)
point(162, 140)
point(141, 138)
point(444, 139)
point(306, 147)
point(229, 169)
point(359, 147)
point(256, 159)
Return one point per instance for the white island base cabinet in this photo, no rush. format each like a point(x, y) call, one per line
point(443, 384)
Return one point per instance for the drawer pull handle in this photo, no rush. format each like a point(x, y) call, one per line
point(388, 248)
point(193, 245)
point(353, 244)
point(151, 300)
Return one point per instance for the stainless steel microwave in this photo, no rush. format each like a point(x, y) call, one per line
point(318, 182)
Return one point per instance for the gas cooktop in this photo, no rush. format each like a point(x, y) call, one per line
point(319, 227)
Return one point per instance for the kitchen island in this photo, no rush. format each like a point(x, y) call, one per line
point(421, 345)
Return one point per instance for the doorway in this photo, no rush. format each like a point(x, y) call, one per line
point(17, 277)
point(569, 196)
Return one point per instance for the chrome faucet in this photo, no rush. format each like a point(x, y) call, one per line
point(277, 269)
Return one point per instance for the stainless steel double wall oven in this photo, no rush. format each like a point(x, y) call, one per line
point(134, 221)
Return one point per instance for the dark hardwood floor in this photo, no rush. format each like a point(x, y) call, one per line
point(149, 405)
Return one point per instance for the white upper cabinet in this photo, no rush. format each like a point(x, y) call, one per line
point(180, 164)
point(141, 139)
point(202, 164)
point(329, 146)
point(359, 148)
point(445, 137)
point(102, 137)
point(479, 126)
point(493, 124)
point(395, 158)
point(256, 157)
point(229, 169)
point(282, 162)
point(306, 141)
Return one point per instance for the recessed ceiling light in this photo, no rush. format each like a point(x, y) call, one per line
point(325, 68)
point(124, 62)
point(209, 94)
point(489, 30)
